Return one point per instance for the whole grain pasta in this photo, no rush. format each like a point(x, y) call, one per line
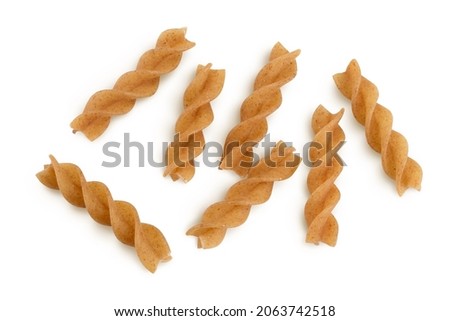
point(142, 82)
point(265, 99)
point(150, 244)
point(322, 226)
point(255, 189)
point(377, 121)
point(197, 115)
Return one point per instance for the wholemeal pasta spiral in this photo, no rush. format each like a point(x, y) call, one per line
point(378, 120)
point(150, 244)
point(265, 99)
point(255, 189)
point(197, 115)
point(142, 82)
point(326, 167)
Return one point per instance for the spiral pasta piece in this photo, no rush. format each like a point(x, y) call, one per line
point(197, 115)
point(142, 82)
point(378, 120)
point(321, 223)
point(150, 244)
point(253, 190)
point(265, 99)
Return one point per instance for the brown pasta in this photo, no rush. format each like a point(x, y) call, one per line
point(142, 82)
point(265, 99)
point(196, 116)
point(322, 225)
point(378, 120)
point(151, 246)
point(253, 190)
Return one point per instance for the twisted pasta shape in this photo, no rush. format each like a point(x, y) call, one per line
point(265, 99)
point(151, 246)
point(322, 225)
point(253, 190)
point(196, 116)
point(142, 82)
point(378, 120)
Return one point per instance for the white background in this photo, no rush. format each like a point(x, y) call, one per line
point(391, 260)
